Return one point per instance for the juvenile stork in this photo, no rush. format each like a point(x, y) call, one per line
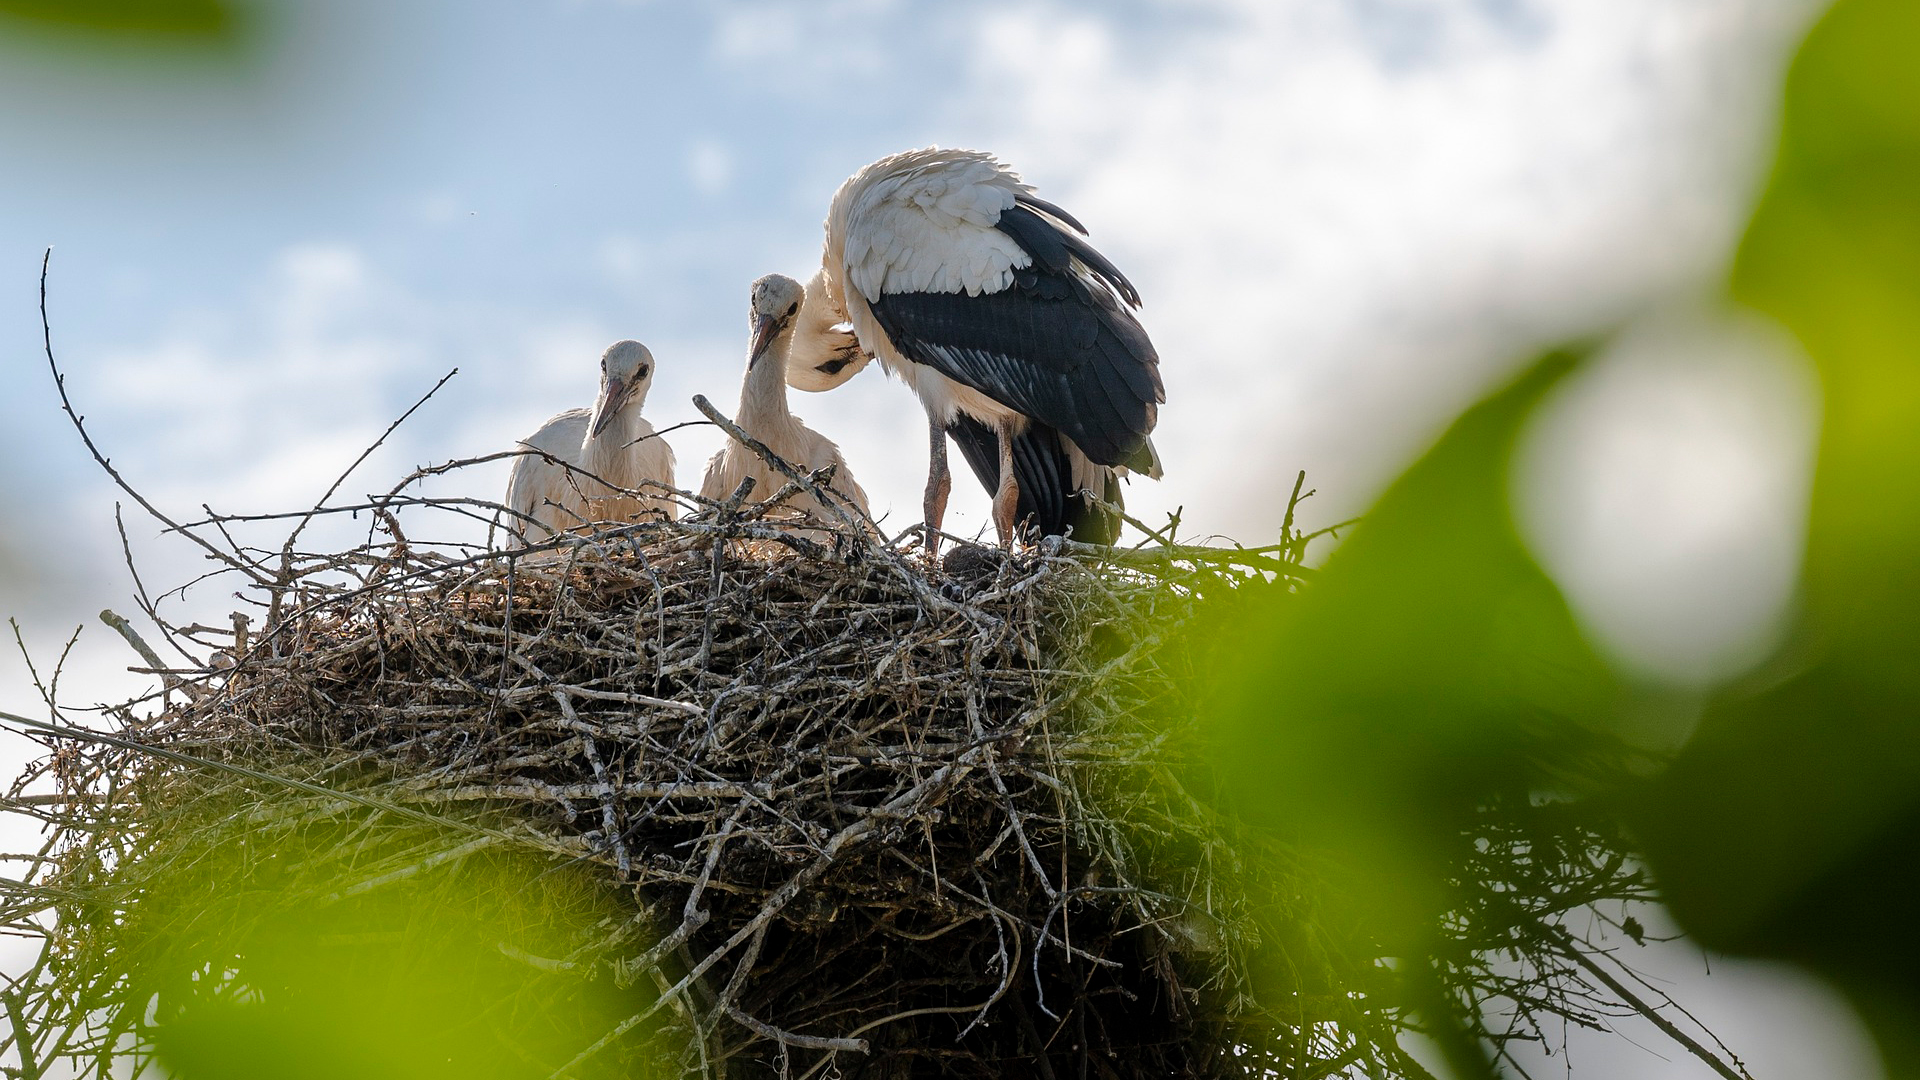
point(775, 311)
point(611, 441)
point(1018, 336)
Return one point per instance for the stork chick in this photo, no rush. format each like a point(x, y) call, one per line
point(763, 413)
point(611, 441)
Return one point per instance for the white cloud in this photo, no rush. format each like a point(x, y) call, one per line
point(1339, 241)
point(709, 166)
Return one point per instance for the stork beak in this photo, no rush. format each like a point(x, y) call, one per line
point(764, 328)
point(613, 394)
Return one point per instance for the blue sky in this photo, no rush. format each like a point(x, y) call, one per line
point(1348, 217)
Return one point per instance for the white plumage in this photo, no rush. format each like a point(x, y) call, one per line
point(824, 352)
point(1017, 336)
point(923, 221)
point(777, 305)
point(611, 441)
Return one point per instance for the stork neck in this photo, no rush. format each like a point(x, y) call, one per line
point(763, 394)
point(599, 451)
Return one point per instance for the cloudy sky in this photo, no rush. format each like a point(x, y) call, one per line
point(1348, 218)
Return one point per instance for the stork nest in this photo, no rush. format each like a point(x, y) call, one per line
point(736, 795)
point(731, 796)
point(748, 804)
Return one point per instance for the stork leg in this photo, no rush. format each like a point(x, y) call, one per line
point(1006, 501)
point(939, 486)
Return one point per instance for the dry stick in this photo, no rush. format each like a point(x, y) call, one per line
point(478, 843)
point(1007, 966)
point(66, 405)
point(1668, 1027)
point(719, 842)
point(730, 507)
point(374, 503)
point(147, 606)
point(1120, 512)
point(778, 901)
point(365, 454)
point(625, 698)
point(1269, 557)
point(126, 630)
point(787, 1038)
point(723, 1002)
point(84, 735)
point(1681, 1009)
point(156, 666)
point(609, 816)
point(930, 1010)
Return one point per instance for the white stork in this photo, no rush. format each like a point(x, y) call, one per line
point(776, 310)
point(1017, 335)
point(611, 441)
point(824, 354)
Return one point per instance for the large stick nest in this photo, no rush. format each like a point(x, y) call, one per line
point(816, 808)
point(731, 796)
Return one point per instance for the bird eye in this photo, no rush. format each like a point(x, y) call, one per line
point(791, 308)
point(642, 373)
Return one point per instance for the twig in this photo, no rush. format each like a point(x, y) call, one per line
point(154, 663)
point(1667, 1027)
point(365, 454)
point(66, 405)
point(788, 1038)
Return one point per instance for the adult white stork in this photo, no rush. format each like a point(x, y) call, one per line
point(1017, 335)
point(611, 441)
point(823, 354)
point(775, 312)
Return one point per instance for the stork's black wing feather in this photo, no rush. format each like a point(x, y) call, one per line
point(1049, 504)
point(1055, 346)
point(1036, 235)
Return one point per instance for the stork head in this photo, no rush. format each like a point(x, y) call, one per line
point(626, 372)
point(776, 301)
point(825, 352)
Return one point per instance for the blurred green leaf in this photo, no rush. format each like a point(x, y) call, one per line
point(1431, 664)
point(186, 18)
point(1430, 669)
point(422, 963)
point(1790, 824)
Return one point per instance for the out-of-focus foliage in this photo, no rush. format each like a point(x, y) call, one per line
point(1431, 670)
point(408, 964)
point(1378, 709)
point(203, 19)
point(1433, 665)
point(1790, 826)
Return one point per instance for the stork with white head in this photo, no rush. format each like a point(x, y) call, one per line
point(559, 488)
point(824, 353)
point(775, 311)
point(1018, 336)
